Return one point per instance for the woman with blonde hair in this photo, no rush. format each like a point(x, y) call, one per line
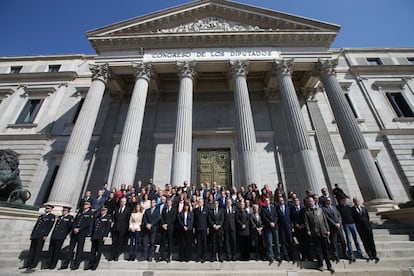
point(135, 222)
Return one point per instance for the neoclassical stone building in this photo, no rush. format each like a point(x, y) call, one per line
point(213, 91)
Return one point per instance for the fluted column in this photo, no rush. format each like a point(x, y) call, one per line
point(304, 155)
point(366, 173)
point(67, 186)
point(181, 159)
point(246, 136)
point(126, 163)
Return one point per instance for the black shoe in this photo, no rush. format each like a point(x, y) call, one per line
point(202, 260)
point(115, 259)
point(62, 268)
point(29, 270)
point(376, 259)
point(23, 267)
point(74, 267)
point(278, 258)
point(287, 259)
point(336, 259)
point(331, 269)
point(270, 259)
point(320, 268)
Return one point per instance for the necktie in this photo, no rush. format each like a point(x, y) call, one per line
point(283, 209)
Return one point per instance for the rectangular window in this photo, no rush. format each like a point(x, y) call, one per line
point(54, 68)
point(29, 112)
point(411, 60)
point(78, 109)
point(400, 104)
point(15, 69)
point(348, 99)
point(374, 61)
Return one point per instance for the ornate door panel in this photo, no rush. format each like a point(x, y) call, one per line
point(214, 165)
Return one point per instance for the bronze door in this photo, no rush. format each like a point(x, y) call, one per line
point(214, 165)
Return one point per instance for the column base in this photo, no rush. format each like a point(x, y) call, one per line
point(381, 205)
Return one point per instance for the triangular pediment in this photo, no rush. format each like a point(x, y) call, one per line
point(205, 21)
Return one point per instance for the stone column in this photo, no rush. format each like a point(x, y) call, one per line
point(304, 155)
point(126, 163)
point(67, 186)
point(246, 136)
point(181, 159)
point(366, 173)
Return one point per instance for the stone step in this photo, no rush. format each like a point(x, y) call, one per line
point(231, 268)
point(394, 245)
point(388, 237)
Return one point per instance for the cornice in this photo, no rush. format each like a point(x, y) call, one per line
point(43, 76)
point(240, 39)
point(375, 69)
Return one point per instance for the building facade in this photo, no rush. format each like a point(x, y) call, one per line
point(213, 91)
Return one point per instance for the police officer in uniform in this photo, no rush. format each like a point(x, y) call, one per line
point(62, 229)
point(101, 230)
point(39, 234)
point(81, 228)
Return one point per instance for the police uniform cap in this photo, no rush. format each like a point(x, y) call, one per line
point(87, 202)
point(48, 206)
point(66, 208)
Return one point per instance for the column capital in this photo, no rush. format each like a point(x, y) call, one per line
point(142, 70)
point(327, 66)
point(283, 66)
point(239, 67)
point(187, 69)
point(100, 72)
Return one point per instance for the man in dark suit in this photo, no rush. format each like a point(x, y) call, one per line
point(324, 196)
point(150, 222)
point(87, 197)
point(101, 229)
point(62, 228)
point(364, 228)
point(168, 218)
point(285, 229)
point(201, 229)
point(230, 214)
point(120, 228)
point(297, 217)
point(269, 218)
point(81, 228)
point(216, 221)
point(39, 234)
point(335, 226)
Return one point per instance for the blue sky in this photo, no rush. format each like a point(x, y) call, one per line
point(42, 27)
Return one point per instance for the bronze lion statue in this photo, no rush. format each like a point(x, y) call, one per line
point(11, 189)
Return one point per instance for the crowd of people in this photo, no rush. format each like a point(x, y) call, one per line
point(206, 223)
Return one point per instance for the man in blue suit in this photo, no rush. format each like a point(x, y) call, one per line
point(285, 228)
point(98, 202)
point(150, 222)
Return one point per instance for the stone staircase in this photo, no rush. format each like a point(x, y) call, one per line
point(395, 246)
